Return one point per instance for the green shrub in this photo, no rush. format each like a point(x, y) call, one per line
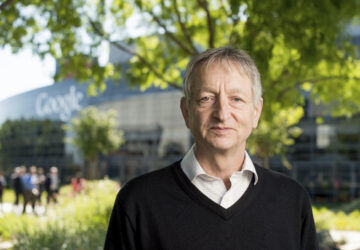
point(326, 219)
point(78, 222)
point(11, 225)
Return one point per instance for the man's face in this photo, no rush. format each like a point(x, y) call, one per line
point(221, 113)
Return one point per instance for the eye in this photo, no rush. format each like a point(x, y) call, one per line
point(237, 99)
point(205, 99)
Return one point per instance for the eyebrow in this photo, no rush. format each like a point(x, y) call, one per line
point(231, 91)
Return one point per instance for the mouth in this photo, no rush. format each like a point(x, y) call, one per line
point(220, 129)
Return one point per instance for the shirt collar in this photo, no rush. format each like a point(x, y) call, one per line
point(190, 165)
point(192, 168)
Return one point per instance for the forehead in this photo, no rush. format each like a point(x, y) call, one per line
point(224, 71)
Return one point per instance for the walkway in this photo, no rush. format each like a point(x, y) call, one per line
point(351, 238)
point(10, 208)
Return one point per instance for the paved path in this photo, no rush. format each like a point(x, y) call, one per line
point(10, 208)
point(5, 245)
point(352, 239)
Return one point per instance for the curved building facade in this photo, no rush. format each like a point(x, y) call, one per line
point(153, 127)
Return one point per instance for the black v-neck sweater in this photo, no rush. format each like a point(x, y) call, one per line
point(164, 210)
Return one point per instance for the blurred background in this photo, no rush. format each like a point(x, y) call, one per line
point(92, 89)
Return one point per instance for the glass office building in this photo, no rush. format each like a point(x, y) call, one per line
point(155, 133)
point(326, 157)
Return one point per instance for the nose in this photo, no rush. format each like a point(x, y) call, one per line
point(221, 109)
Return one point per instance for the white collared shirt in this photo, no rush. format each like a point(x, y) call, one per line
point(213, 187)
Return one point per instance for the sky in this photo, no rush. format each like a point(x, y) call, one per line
point(23, 71)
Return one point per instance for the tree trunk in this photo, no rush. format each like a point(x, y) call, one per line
point(92, 168)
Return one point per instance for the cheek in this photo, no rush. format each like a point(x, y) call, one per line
point(245, 119)
point(198, 121)
point(192, 121)
point(239, 116)
point(203, 118)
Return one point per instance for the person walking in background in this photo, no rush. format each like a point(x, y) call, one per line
point(17, 183)
point(78, 184)
point(26, 186)
point(41, 183)
point(2, 187)
point(35, 182)
point(29, 181)
point(52, 184)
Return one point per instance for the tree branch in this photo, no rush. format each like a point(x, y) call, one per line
point(4, 4)
point(284, 73)
point(315, 80)
point(144, 61)
point(204, 5)
point(280, 95)
point(170, 35)
point(235, 21)
point(184, 29)
point(120, 46)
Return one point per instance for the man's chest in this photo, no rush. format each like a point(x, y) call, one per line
point(190, 226)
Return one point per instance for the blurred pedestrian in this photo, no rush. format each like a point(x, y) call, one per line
point(2, 187)
point(29, 181)
point(52, 184)
point(78, 184)
point(17, 183)
point(41, 183)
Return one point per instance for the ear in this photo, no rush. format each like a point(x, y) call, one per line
point(257, 113)
point(184, 111)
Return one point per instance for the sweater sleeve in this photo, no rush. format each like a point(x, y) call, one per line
point(121, 233)
point(308, 231)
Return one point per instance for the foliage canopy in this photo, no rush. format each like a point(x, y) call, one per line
point(95, 132)
point(300, 47)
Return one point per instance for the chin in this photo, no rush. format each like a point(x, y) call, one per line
point(222, 145)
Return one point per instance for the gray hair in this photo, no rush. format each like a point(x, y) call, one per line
point(210, 56)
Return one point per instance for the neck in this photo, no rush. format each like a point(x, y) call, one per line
point(221, 164)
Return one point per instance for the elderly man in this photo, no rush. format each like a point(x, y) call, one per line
point(215, 197)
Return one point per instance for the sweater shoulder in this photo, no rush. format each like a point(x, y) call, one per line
point(284, 191)
point(278, 181)
point(147, 185)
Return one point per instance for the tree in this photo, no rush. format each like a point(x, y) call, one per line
point(95, 132)
point(299, 46)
